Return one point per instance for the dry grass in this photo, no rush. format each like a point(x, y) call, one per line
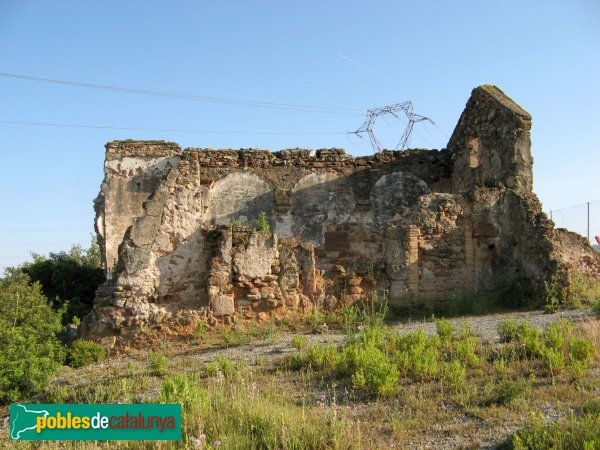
point(590, 329)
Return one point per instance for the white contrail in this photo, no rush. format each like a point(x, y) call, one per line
point(356, 63)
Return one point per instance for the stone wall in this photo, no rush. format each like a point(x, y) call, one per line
point(177, 227)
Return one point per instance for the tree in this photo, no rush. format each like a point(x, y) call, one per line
point(69, 278)
point(30, 350)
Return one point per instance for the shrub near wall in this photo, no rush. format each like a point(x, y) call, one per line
point(30, 351)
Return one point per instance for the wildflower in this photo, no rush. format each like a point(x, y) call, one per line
point(197, 442)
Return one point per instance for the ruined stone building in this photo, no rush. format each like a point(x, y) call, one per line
point(177, 228)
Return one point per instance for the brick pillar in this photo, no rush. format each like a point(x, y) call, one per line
point(412, 276)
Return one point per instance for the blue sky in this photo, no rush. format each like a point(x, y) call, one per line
point(544, 54)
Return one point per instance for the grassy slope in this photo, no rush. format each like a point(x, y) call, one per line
point(277, 401)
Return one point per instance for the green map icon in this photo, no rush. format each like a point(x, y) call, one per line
point(23, 420)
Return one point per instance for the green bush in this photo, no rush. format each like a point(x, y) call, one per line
point(425, 365)
point(68, 278)
point(508, 391)
point(185, 391)
point(466, 351)
point(445, 330)
point(350, 317)
point(596, 306)
point(454, 373)
point(580, 350)
point(554, 337)
point(315, 318)
point(299, 342)
point(507, 329)
point(418, 356)
point(323, 357)
point(592, 406)
point(373, 311)
point(372, 369)
point(221, 364)
point(530, 340)
point(82, 353)
point(574, 433)
point(30, 352)
point(157, 363)
point(583, 290)
point(553, 360)
point(374, 336)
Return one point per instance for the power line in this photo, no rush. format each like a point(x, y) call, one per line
point(173, 130)
point(575, 205)
point(44, 230)
point(202, 98)
point(20, 244)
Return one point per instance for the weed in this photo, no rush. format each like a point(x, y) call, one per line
point(580, 350)
point(582, 290)
point(374, 311)
point(222, 366)
point(323, 357)
point(262, 223)
point(554, 337)
point(299, 342)
point(182, 389)
point(373, 370)
point(454, 373)
point(349, 317)
point(590, 329)
point(235, 337)
point(508, 391)
point(445, 330)
point(201, 329)
point(83, 353)
point(577, 369)
point(157, 363)
point(315, 318)
point(507, 329)
point(418, 355)
point(466, 351)
point(499, 366)
point(553, 296)
point(241, 416)
point(575, 432)
point(57, 393)
point(592, 406)
point(530, 340)
point(553, 360)
point(268, 332)
point(596, 306)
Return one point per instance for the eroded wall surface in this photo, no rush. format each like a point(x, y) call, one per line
point(178, 238)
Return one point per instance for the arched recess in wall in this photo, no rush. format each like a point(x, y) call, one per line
point(395, 197)
point(316, 199)
point(239, 196)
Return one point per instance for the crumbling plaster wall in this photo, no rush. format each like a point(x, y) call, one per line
point(177, 238)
